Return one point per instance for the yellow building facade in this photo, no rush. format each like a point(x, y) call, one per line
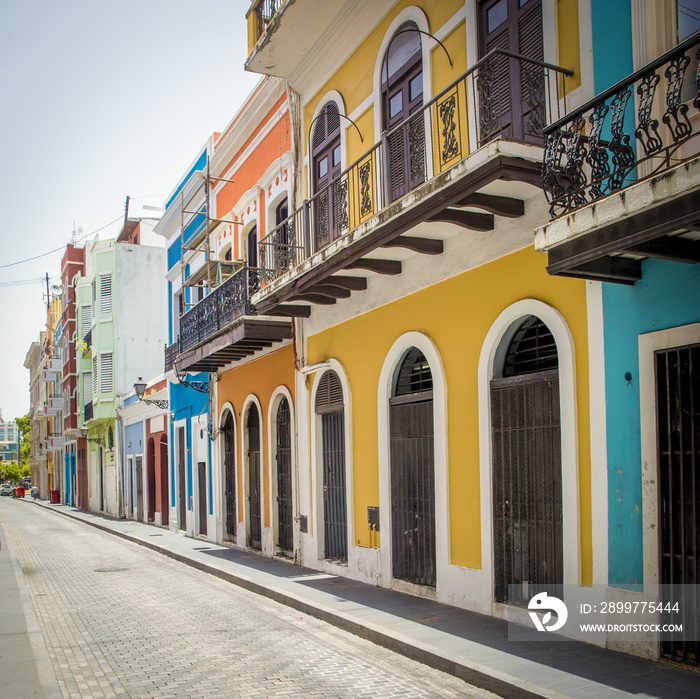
point(443, 413)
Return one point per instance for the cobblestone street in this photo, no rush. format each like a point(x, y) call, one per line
point(119, 620)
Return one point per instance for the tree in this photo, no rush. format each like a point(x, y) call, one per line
point(24, 425)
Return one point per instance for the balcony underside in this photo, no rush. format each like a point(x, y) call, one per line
point(456, 197)
point(245, 337)
point(608, 240)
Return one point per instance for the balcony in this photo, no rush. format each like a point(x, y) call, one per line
point(446, 164)
point(224, 327)
point(622, 175)
point(171, 352)
point(282, 33)
point(54, 442)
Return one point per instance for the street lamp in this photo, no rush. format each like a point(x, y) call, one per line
point(140, 389)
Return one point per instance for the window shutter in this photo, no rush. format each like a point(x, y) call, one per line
point(106, 381)
point(94, 297)
point(87, 387)
point(86, 320)
point(106, 293)
point(94, 376)
point(329, 397)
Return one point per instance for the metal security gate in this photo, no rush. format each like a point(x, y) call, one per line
point(284, 477)
point(202, 491)
point(526, 463)
point(254, 477)
point(678, 423)
point(230, 475)
point(527, 495)
point(139, 488)
point(181, 458)
point(413, 473)
point(329, 405)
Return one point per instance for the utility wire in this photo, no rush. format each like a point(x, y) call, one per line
point(51, 252)
point(21, 282)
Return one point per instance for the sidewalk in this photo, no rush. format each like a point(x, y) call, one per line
point(471, 646)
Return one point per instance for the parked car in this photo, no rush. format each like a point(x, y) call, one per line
point(5, 489)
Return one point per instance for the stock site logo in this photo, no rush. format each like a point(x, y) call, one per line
point(543, 602)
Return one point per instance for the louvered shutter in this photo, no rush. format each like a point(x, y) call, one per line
point(106, 293)
point(87, 387)
point(329, 397)
point(94, 376)
point(106, 379)
point(86, 320)
point(94, 297)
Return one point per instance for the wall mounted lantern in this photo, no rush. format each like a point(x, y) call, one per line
point(140, 389)
point(84, 434)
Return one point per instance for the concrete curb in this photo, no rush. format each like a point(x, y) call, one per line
point(487, 678)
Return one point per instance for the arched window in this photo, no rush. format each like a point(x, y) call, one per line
point(527, 475)
point(330, 409)
point(402, 97)
point(532, 349)
point(412, 454)
point(326, 164)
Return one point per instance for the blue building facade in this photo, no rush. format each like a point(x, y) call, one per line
point(190, 475)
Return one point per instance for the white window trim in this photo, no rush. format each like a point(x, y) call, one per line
point(278, 394)
point(330, 96)
point(414, 14)
point(228, 407)
point(245, 485)
point(556, 323)
point(440, 454)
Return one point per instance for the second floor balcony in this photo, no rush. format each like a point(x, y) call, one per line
point(622, 174)
point(224, 326)
point(449, 163)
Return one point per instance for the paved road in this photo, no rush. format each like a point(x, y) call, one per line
point(119, 620)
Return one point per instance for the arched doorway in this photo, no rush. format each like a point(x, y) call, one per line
point(526, 466)
point(283, 421)
point(402, 97)
point(229, 447)
point(412, 471)
point(254, 484)
point(330, 409)
point(330, 209)
point(151, 479)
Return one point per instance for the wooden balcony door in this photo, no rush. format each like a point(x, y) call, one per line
point(511, 93)
point(402, 94)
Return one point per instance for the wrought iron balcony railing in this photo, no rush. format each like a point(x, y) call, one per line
point(502, 96)
point(265, 10)
point(171, 352)
point(604, 146)
point(228, 302)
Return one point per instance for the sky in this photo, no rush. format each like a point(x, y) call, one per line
point(100, 101)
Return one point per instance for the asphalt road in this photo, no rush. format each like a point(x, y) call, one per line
point(112, 619)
